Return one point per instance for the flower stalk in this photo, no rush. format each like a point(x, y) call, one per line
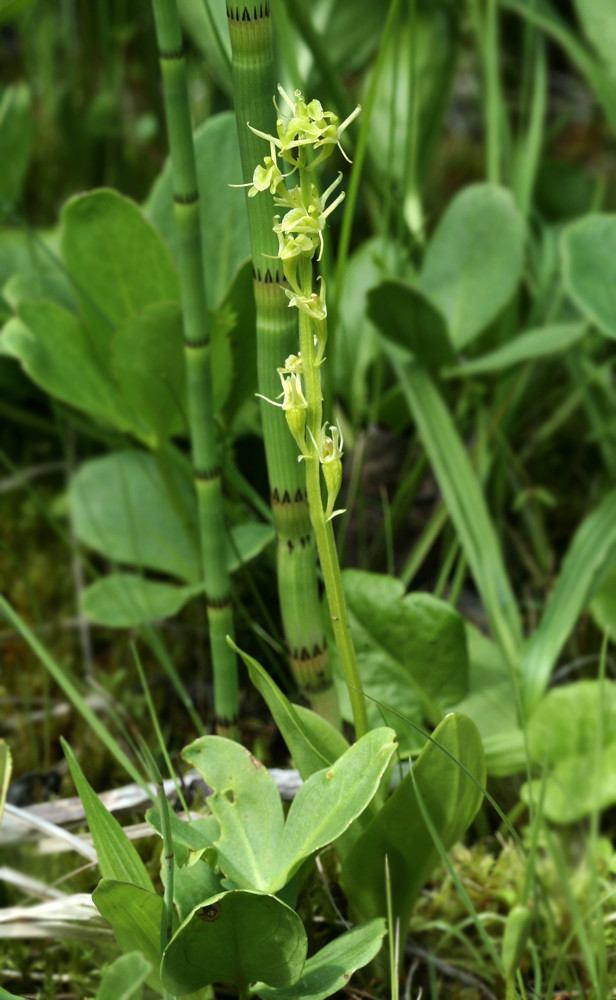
point(250, 32)
point(303, 140)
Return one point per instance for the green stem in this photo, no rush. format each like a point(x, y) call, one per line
point(254, 85)
point(323, 531)
point(198, 364)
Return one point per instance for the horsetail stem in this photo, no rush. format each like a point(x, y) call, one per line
point(250, 32)
point(198, 364)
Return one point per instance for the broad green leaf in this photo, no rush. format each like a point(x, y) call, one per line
point(239, 937)
point(6, 766)
point(193, 885)
point(124, 600)
point(47, 285)
point(116, 259)
point(491, 703)
point(15, 142)
point(135, 915)
point(4, 994)
point(136, 511)
point(451, 799)
point(590, 553)
point(124, 978)
point(247, 805)
point(474, 260)
point(147, 359)
point(312, 741)
point(573, 733)
point(540, 343)
point(411, 652)
point(224, 219)
point(408, 318)
point(330, 970)
point(246, 541)
point(117, 856)
point(59, 353)
point(328, 802)
point(465, 501)
point(357, 343)
point(589, 269)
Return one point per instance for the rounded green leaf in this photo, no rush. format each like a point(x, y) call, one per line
point(247, 805)
point(126, 508)
point(411, 651)
point(60, 354)
point(474, 260)
point(573, 733)
point(448, 777)
point(124, 600)
point(331, 968)
point(124, 977)
point(147, 358)
point(405, 316)
point(589, 269)
point(135, 916)
point(224, 219)
point(237, 937)
point(115, 258)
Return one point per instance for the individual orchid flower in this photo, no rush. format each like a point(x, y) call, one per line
point(330, 457)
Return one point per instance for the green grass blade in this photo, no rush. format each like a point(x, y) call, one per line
point(465, 501)
point(70, 690)
point(117, 856)
point(592, 549)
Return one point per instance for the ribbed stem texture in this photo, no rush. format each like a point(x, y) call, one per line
point(198, 364)
point(254, 86)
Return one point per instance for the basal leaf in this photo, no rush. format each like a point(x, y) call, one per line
point(529, 346)
point(61, 355)
point(328, 802)
point(248, 808)
point(411, 651)
point(474, 260)
point(406, 316)
point(330, 970)
point(573, 733)
point(238, 937)
point(117, 261)
point(123, 978)
point(147, 359)
point(224, 219)
point(124, 600)
point(138, 512)
point(451, 799)
point(589, 269)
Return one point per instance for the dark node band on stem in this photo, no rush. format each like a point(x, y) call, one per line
point(267, 278)
point(300, 496)
point(169, 56)
point(195, 345)
point(186, 199)
point(244, 12)
point(218, 603)
point(206, 475)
